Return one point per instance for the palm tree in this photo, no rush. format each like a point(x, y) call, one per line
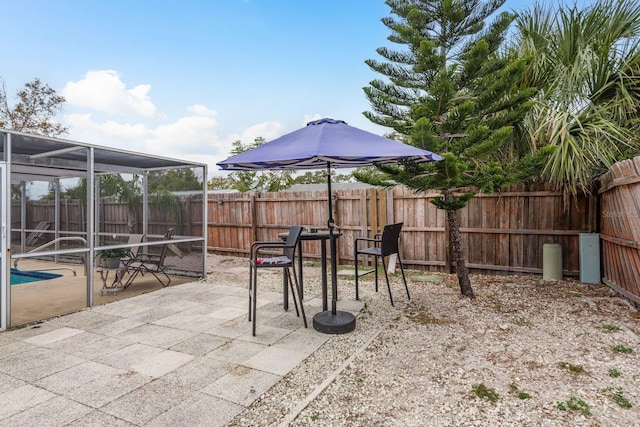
point(586, 67)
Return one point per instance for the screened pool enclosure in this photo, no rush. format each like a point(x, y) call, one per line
point(61, 209)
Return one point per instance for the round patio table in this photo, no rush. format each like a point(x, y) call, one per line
point(120, 271)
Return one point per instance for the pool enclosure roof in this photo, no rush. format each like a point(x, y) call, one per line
point(42, 158)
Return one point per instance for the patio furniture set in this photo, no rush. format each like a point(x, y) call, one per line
point(283, 253)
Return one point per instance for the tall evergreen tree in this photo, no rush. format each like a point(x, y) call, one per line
point(449, 90)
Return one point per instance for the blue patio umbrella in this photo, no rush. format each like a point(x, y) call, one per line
point(327, 143)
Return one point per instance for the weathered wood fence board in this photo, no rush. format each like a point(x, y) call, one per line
point(71, 217)
point(620, 228)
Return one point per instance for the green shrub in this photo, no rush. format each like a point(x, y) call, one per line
point(614, 373)
point(574, 369)
point(622, 349)
point(615, 393)
point(611, 328)
point(575, 404)
point(483, 392)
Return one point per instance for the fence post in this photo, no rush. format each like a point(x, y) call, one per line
point(253, 215)
point(373, 210)
point(593, 216)
point(364, 223)
point(382, 209)
point(390, 207)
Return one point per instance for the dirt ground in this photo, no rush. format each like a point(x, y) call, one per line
point(525, 352)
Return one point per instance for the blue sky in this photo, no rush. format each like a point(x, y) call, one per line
point(186, 79)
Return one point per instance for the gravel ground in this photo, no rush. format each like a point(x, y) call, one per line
point(524, 353)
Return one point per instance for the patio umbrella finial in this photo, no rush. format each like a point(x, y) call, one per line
point(325, 120)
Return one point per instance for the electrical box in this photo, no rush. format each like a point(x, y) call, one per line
point(551, 261)
point(590, 258)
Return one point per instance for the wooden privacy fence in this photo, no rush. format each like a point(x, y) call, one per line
point(72, 217)
point(502, 232)
point(620, 228)
point(114, 218)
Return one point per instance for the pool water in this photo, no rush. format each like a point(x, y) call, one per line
point(19, 277)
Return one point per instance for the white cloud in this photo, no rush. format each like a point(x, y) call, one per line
point(194, 136)
point(84, 128)
point(266, 130)
point(202, 110)
point(104, 91)
point(312, 117)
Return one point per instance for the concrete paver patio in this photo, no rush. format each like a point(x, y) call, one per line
point(182, 355)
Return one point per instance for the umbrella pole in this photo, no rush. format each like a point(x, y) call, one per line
point(334, 321)
point(333, 248)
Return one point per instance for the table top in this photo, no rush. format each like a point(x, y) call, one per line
point(318, 235)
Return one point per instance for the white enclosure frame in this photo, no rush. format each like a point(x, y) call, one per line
point(25, 157)
point(5, 255)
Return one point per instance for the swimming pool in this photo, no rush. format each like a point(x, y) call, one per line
point(19, 277)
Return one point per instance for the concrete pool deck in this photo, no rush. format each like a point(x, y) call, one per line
point(67, 294)
point(182, 355)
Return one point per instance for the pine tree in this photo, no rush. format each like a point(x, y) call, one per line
point(449, 90)
point(257, 181)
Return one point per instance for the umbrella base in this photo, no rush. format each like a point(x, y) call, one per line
point(339, 323)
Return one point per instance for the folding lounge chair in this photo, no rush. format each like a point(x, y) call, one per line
point(122, 270)
point(134, 239)
point(37, 233)
point(150, 263)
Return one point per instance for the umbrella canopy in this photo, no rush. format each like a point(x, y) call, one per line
point(322, 142)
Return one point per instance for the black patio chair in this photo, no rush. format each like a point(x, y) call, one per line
point(384, 245)
point(287, 249)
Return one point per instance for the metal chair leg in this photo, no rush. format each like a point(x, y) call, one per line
point(304, 316)
point(356, 268)
point(250, 289)
point(287, 273)
point(375, 270)
point(404, 278)
point(386, 276)
point(254, 296)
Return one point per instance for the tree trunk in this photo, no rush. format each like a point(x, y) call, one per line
point(461, 266)
point(132, 220)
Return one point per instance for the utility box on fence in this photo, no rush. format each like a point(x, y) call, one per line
point(590, 258)
point(552, 261)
